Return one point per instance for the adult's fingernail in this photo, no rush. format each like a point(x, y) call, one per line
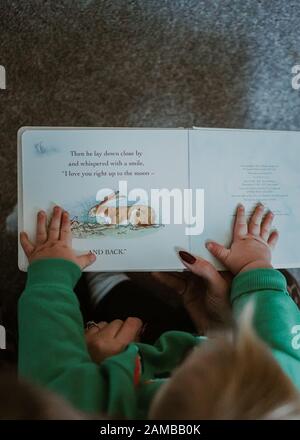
point(188, 258)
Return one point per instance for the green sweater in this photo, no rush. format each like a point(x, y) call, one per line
point(53, 352)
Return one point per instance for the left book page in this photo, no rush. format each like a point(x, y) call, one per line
point(80, 169)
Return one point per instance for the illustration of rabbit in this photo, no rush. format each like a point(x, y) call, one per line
point(111, 211)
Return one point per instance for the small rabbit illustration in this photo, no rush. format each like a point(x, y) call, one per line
point(114, 210)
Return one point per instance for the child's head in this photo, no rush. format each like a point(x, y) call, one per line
point(228, 378)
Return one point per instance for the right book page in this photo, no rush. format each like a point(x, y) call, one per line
point(247, 166)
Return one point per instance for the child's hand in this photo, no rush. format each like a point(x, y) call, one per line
point(252, 243)
point(54, 241)
point(105, 340)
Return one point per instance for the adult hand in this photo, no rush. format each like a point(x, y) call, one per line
point(105, 340)
point(205, 293)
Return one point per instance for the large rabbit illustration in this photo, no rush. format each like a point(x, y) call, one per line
point(114, 209)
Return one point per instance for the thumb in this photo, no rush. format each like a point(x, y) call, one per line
point(219, 251)
point(130, 330)
point(86, 260)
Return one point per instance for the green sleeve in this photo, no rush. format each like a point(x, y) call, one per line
point(276, 316)
point(52, 349)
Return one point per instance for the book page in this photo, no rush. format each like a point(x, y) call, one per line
point(81, 170)
point(247, 166)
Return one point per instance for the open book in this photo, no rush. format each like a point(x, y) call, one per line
point(120, 184)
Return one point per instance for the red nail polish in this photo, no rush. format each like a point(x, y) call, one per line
point(188, 258)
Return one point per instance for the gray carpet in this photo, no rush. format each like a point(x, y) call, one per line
point(164, 63)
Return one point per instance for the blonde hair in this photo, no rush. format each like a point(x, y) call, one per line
point(232, 376)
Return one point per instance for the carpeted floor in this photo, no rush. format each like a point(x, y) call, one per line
point(167, 63)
